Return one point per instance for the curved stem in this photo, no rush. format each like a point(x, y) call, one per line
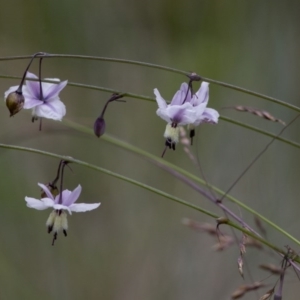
point(151, 99)
point(145, 186)
point(159, 67)
point(110, 173)
point(156, 159)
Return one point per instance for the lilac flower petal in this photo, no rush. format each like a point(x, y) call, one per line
point(48, 86)
point(160, 100)
point(62, 207)
point(73, 196)
point(163, 114)
point(31, 102)
point(46, 190)
point(65, 195)
point(186, 92)
point(35, 203)
point(10, 90)
point(210, 115)
point(33, 87)
point(82, 207)
point(49, 202)
point(202, 94)
point(199, 109)
point(54, 110)
point(182, 114)
point(52, 90)
point(178, 98)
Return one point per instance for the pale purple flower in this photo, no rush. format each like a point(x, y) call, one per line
point(47, 105)
point(65, 201)
point(199, 101)
point(185, 109)
point(180, 111)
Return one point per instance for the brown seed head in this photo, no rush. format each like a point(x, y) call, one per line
point(14, 102)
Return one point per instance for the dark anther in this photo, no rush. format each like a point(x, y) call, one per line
point(49, 229)
point(34, 118)
point(168, 143)
point(192, 134)
point(65, 232)
point(174, 125)
point(54, 238)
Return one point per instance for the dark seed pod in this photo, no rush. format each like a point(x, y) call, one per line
point(99, 127)
point(14, 102)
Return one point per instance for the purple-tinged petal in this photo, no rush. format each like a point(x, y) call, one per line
point(53, 90)
point(33, 87)
point(199, 109)
point(49, 202)
point(10, 90)
point(31, 75)
point(46, 190)
point(160, 100)
point(210, 115)
point(186, 92)
point(163, 114)
point(182, 114)
point(31, 102)
point(178, 98)
point(35, 203)
point(65, 195)
point(55, 110)
point(62, 207)
point(82, 207)
point(73, 196)
point(202, 94)
point(48, 85)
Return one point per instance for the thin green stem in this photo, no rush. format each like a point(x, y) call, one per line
point(253, 128)
point(152, 157)
point(159, 67)
point(110, 173)
point(144, 186)
point(151, 99)
point(156, 159)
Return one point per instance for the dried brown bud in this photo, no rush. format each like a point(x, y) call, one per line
point(260, 113)
point(272, 268)
point(238, 293)
point(53, 189)
point(14, 102)
point(240, 266)
point(250, 242)
point(99, 127)
point(222, 220)
point(225, 241)
point(267, 295)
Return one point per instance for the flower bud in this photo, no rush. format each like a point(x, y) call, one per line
point(14, 102)
point(99, 127)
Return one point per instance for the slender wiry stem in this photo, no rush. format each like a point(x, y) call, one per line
point(151, 99)
point(153, 158)
point(40, 80)
point(19, 90)
point(257, 157)
point(160, 67)
point(147, 187)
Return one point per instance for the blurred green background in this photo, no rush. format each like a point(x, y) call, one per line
point(135, 246)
